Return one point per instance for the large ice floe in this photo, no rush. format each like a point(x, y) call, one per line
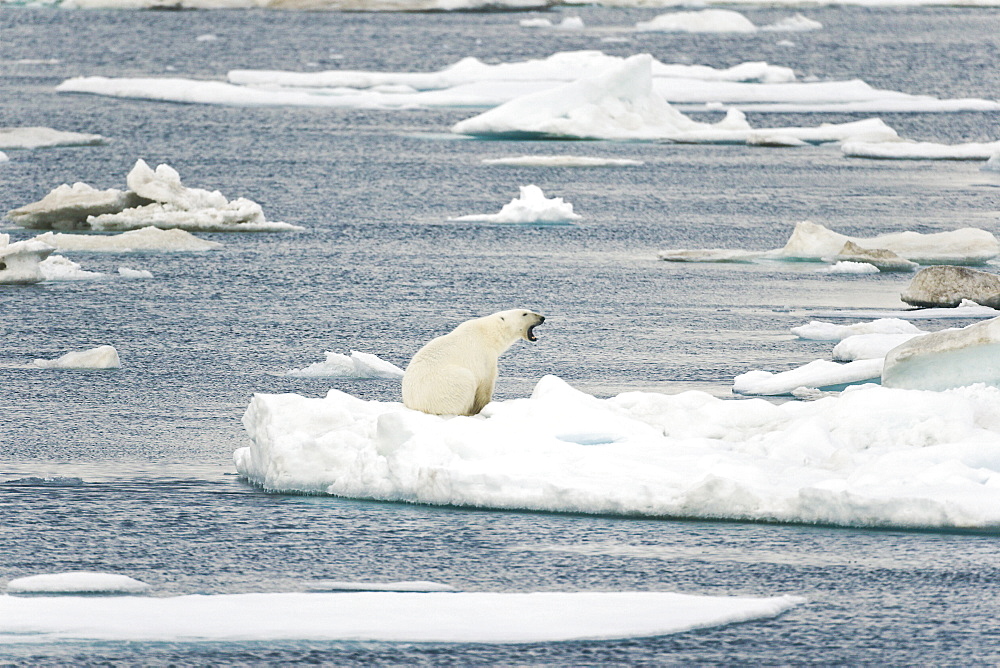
point(450, 617)
point(155, 198)
point(898, 251)
point(41, 137)
point(144, 239)
point(355, 365)
point(530, 207)
point(101, 357)
point(20, 262)
point(621, 104)
point(471, 83)
point(868, 457)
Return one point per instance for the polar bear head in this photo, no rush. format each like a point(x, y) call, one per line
point(518, 323)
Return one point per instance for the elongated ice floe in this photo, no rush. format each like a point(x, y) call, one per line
point(41, 137)
point(870, 456)
point(531, 206)
point(561, 161)
point(76, 582)
point(471, 83)
point(706, 20)
point(101, 357)
point(355, 365)
point(815, 243)
point(908, 150)
point(817, 375)
point(144, 239)
point(452, 617)
point(818, 330)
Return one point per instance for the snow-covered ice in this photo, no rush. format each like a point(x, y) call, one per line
point(76, 582)
point(849, 267)
point(68, 207)
point(531, 206)
point(870, 456)
point(355, 365)
point(59, 268)
point(620, 103)
point(143, 239)
point(947, 359)
point(813, 242)
point(400, 586)
point(20, 262)
point(470, 82)
point(561, 161)
point(101, 357)
point(909, 150)
point(818, 330)
point(949, 286)
point(818, 374)
point(41, 137)
point(706, 20)
point(449, 617)
point(869, 346)
point(128, 272)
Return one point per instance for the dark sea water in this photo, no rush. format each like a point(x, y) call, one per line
point(131, 471)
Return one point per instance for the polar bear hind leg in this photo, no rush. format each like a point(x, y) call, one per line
point(456, 393)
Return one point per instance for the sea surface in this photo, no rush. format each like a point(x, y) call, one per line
point(131, 471)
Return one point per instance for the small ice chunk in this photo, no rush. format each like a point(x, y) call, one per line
point(947, 286)
point(535, 22)
point(819, 374)
point(21, 262)
point(847, 267)
point(40, 137)
point(946, 359)
point(207, 37)
point(357, 365)
point(797, 23)
point(77, 582)
point(101, 357)
point(707, 20)
point(127, 272)
point(532, 206)
point(59, 268)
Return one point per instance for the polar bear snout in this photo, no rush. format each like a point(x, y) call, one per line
point(537, 319)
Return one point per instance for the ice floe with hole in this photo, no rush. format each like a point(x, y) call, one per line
point(41, 137)
point(530, 207)
point(443, 617)
point(910, 150)
point(561, 161)
point(621, 104)
point(155, 198)
point(76, 582)
point(471, 83)
point(101, 357)
point(947, 359)
point(355, 365)
point(815, 243)
point(20, 262)
point(143, 239)
point(870, 456)
point(948, 286)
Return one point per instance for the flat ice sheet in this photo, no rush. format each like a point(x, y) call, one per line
point(868, 457)
point(376, 616)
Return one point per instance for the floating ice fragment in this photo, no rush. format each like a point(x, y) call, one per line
point(21, 262)
point(59, 268)
point(68, 207)
point(39, 137)
point(561, 161)
point(706, 20)
point(949, 286)
point(143, 239)
point(828, 331)
point(819, 374)
point(75, 582)
point(947, 359)
point(908, 150)
point(797, 23)
point(127, 272)
point(848, 267)
point(101, 357)
point(357, 365)
point(532, 206)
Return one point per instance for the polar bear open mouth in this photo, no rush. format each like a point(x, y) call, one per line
point(530, 334)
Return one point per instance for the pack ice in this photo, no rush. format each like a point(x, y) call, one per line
point(869, 457)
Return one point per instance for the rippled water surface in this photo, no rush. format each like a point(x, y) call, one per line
point(130, 470)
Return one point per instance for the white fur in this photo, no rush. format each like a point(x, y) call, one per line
point(454, 374)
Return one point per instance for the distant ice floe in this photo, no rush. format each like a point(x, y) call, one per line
point(128, 272)
point(967, 310)
point(827, 331)
point(356, 365)
point(40, 137)
point(561, 161)
point(154, 199)
point(620, 104)
point(910, 150)
point(868, 457)
point(471, 83)
point(848, 267)
point(897, 251)
point(721, 21)
point(20, 262)
point(143, 239)
point(101, 357)
point(568, 23)
point(75, 582)
point(441, 617)
point(531, 206)
point(313, 5)
point(947, 286)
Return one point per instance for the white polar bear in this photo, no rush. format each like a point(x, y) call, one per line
point(454, 374)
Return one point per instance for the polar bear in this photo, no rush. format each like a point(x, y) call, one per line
point(454, 374)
